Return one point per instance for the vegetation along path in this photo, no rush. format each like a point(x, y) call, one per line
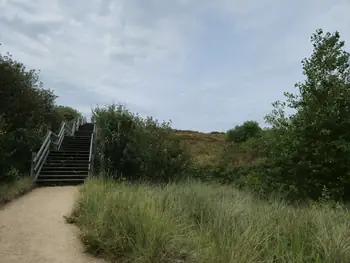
point(33, 228)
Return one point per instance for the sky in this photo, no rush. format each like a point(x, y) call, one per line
point(207, 65)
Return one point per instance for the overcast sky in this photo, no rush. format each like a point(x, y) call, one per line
point(205, 64)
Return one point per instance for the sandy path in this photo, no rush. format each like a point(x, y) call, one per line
point(32, 229)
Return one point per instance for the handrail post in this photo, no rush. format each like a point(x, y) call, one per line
point(90, 151)
point(92, 148)
point(32, 165)
point(73, 128)
point(92, 165)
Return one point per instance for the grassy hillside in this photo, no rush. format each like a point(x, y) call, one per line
point(205, 147)
point(211, 148)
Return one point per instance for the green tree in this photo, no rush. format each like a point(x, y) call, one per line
point(242, 133)
point(23, 100)
point(310, 149)
point(27, 112)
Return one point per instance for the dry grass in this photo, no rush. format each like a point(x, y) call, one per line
point(212, 148)
point(8, 192)
point(196, 222)
point(205, 147)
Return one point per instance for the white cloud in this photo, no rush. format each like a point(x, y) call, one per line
point(205, 64)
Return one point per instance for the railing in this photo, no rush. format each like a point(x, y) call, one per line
point(92, 154)
point(77, 123)
point(39, 158)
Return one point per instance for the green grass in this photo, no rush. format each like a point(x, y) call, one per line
point(196, 222)
point(8, 192)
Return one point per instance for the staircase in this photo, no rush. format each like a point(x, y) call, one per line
point(69, 164)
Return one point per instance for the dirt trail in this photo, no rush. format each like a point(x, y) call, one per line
point(32, 229)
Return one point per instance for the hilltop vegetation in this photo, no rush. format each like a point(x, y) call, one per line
point(204, 147)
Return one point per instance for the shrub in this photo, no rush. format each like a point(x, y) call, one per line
point(63, 113)
point(242, 133)
point(138, 148)
point(216, 132)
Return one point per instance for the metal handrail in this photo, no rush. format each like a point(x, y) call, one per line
point(39, 158)
point(78, 122)
point(91, 154)
point(47, 139)
point(64, 129)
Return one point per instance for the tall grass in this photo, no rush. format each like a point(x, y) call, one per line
point(195, 222)
point(19, 187)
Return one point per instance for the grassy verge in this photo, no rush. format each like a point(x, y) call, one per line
point(195, 222)
point(8, 192)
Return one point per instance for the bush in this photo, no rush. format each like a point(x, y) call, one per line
point(242, 133)
point(138, 148)
point(216, 132)
point(63, 113)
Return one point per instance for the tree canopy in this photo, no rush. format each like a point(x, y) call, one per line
point(27, 111)
point(311, 148)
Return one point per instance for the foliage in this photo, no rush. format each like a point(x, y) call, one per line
point(24, 102)
point(64, 113)
point(197, 222)
point(311, 148)
point(242, 133)
point(138, 148)
point(216, 132)
point(238, 153)
point(6, 152)
point(27, 111)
